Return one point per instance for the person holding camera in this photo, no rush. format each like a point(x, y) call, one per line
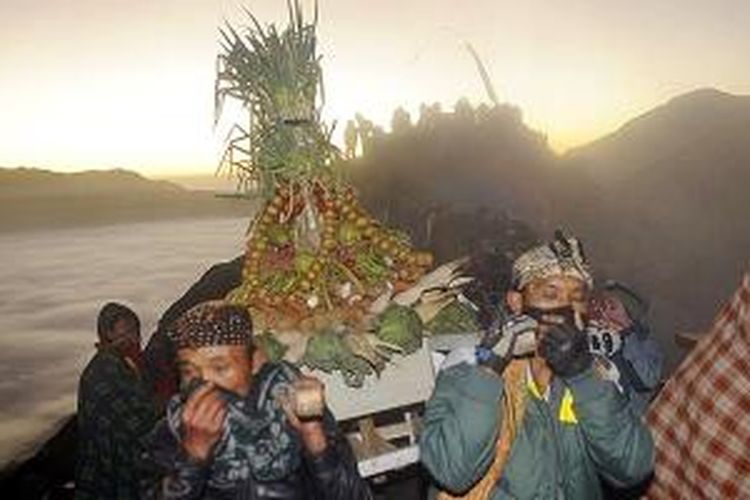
point(242, 427)
point(530, 414)
point(618, 330)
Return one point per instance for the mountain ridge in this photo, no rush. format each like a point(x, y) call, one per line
point(663, 202)
point(38, 199)
point(699, 115)
point(115, 179)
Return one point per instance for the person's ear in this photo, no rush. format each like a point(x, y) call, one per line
point(514, 300)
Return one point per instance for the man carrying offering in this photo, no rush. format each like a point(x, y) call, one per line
point(531, 415)
point(244, 428)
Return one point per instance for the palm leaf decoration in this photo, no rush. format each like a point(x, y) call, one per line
point(277, 77)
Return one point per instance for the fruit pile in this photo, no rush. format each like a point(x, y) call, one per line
point(327, 285)
point(316, 264)
point(317, 249)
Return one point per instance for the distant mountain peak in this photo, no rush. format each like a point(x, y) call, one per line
point(704, 94)
point(706, 101)
point(83, 181)
point(699, 119)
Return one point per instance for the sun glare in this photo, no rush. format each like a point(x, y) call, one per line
point(168, 129)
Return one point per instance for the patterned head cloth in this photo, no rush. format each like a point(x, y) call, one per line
point(608, 311)
point(563, 256)
point(211, 323)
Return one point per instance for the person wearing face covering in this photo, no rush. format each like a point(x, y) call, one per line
point(114, 410)
point(232, 431)
point(618, 331)
point(536, 417)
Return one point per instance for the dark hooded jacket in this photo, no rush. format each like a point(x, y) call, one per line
point(259, 457)
point(114, 412)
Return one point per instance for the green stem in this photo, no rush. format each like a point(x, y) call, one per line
point(350, 276)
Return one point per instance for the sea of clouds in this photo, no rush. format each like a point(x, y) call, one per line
point(52, 285)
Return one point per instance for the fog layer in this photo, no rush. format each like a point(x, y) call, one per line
point(52, 285)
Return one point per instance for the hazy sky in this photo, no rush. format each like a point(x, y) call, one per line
point(128, 83)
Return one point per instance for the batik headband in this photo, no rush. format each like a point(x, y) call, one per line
point(563, 256)
point(210, 324)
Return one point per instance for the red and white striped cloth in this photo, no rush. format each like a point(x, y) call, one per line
point(701, 419)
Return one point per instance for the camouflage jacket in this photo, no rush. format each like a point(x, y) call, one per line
point(114, 413)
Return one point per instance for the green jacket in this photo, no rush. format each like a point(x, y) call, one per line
point(559, 449)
